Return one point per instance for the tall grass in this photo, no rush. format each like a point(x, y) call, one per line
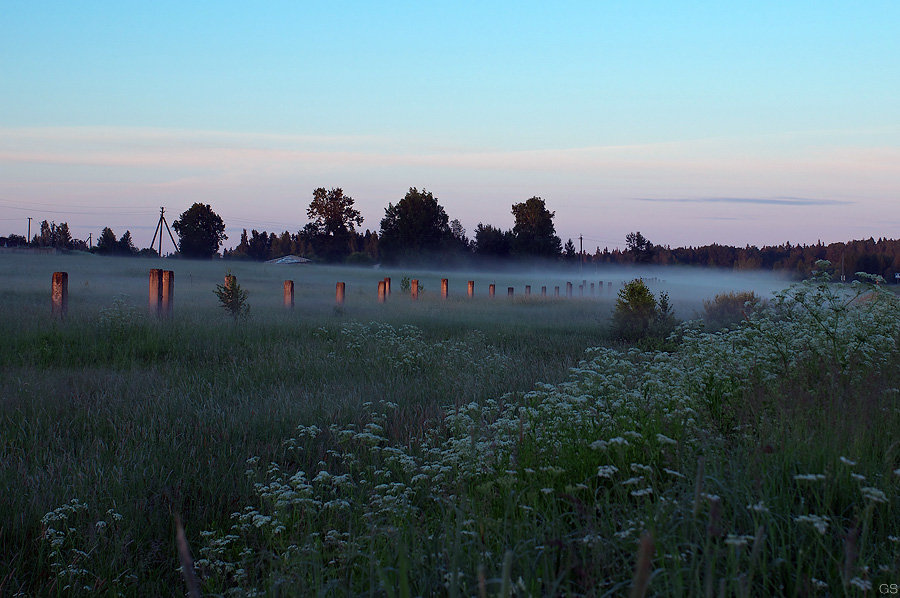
point(454, 447)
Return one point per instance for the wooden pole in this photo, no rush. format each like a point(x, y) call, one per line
point(155, 295)
point(387, 286)
point(289, 294)
point(339, 293)
point(381, 292)
point(528, 290)
point(168, 293)
point(491, 290)
point(414, 288)
point(543, 291)
point(569, 289)
point(445, 288)
point(470, 290)
point(59, 295)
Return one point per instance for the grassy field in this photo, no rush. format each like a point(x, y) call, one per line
point(460, 447)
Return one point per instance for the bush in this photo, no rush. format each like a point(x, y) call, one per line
point(729, 309)
point(232, 297)
point(639, 315)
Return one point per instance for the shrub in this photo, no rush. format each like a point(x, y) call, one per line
point(728, 309)
point(639, 315)
point(232, 297)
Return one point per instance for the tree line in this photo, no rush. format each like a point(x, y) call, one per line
point(417, 230)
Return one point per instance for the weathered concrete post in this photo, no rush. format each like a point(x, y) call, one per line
point(569, 290)
point(59, 295)
point(491, 290)
point(608, 285)
point(581, 290)
point(445, 288)
point(556, 291)
point(168, 293)
point(381, 292)
point(600, 289)
point(155, 297)
point(470, 290)
point(387, 286)
point(414, 288)
point(592, 289)
point(339, 293)
point(289, 294)
point(543, 291)
point(510, 291)
point(528, 290)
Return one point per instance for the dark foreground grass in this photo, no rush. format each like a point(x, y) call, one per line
point(440, 447)
point(154, 418)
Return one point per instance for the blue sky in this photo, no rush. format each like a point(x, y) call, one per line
point(693, 122)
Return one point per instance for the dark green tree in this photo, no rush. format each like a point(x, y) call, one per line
point(200, 231)
point(335, 220)
point(414, 228)
point(569, 251)
point(492, 242)
point(534, 234)
point(639, 247)
point(125, 246)
point(107, 243)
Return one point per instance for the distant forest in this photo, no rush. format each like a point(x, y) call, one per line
point(417, 231)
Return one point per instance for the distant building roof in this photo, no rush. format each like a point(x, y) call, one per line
point(289, 259)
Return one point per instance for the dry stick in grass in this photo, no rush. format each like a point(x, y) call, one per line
point(643, 568)
point(187, 562)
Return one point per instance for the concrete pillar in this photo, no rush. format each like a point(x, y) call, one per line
point(543, 291)
point(59, 295)
point(491, 290)
point(414, 288)
point(168, 293)
point(592, 289)
point(509, 291)
point(470, 290)
point(381, 291)
point(289, 294)
point(445, 288)
point(556, 291)
point(387, 286)
point(339, 293)
point(154, 302)
point(569, 289)
point(528, 290)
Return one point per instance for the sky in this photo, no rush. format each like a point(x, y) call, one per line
point(693, 122)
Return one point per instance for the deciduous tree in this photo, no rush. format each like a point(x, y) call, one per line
point(200, 231)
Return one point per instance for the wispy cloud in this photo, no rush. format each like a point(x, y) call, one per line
point(778, 201)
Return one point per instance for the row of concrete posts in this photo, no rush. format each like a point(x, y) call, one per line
point(162, 291)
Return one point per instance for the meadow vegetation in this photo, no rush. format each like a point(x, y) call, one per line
point(458, 447)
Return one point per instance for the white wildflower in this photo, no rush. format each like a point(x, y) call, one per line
point(818, 522)
point(606, 471)
point(847, 461)
point(663, 439)
point(873, 494)
point(863, 584)
point(758, 508)
point(673, 473)
point(858, 477)
point(642, 492)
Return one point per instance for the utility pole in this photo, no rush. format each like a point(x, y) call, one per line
point(28, 238)
point(159, 231)
point(581, 250)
